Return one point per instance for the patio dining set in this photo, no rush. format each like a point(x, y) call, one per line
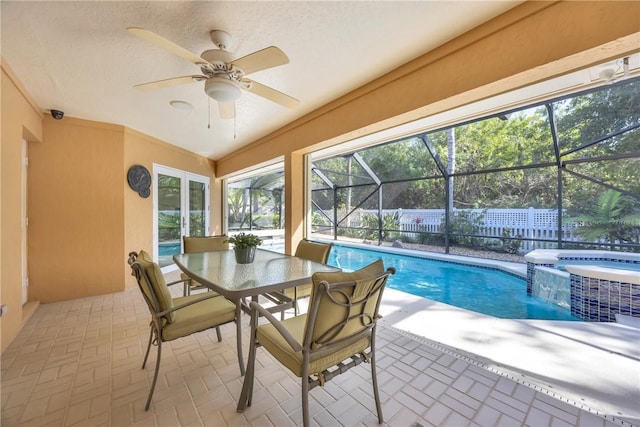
point(337, 332)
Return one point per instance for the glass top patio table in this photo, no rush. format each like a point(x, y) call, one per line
point(269, 272)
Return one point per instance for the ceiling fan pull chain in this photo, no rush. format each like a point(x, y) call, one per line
point(235, 122)
point(209, 115)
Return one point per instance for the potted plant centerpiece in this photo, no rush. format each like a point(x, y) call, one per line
point(244, 246)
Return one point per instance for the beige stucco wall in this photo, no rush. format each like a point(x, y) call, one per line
point(76, 210)
point(83, 217)
point(144, 150)
point(19, 119)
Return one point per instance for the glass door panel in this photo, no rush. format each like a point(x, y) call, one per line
point(197, 208)
point(169, 218)
point(181, 208)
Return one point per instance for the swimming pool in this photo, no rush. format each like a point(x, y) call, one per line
point(483, 290)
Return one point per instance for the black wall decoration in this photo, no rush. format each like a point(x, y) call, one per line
point(139, 180)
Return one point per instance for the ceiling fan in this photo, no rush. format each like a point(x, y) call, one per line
point(224, 77)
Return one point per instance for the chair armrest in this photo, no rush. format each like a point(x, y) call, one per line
point(205, 297)
point(179, 281)
point(295, 345)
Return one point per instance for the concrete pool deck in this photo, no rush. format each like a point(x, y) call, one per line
point(591, 365)
point(594, 366)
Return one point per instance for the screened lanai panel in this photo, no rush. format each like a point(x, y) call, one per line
point(419, 194)
point(346, 212)
point(600, 116)
point(621, 174)
point(256, 202)
point(323, 198)
point(520, 138)
point(269, 181)
point(549, 175)
point(400, 160)
point(342, 171)
point(617, 144)
point(353, 216)
point(599, 217)
point(517, 189)
point(511, 211)
point(322, 212)
point(384, 226)
point(321, 217)
point(363, 197)
point(358, 213)
point(318, 183)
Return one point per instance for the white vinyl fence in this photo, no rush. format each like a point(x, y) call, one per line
point(527, 223)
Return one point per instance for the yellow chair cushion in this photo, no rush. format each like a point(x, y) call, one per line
point(372, 270)
point(331, 313)
point(318, 252)
point(275, 344)
point(159, 285)
point(142, 259)
point(205, 244)
point(329, 328)
point(198, 317)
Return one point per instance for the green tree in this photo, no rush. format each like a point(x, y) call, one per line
point(505, 161)
point(591, 125)
point(609, 219)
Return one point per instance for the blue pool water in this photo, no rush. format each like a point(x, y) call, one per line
point(169, 248)
point(483, 290)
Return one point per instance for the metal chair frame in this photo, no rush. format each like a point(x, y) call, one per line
point(281, 298)
point(342, 294)
point(157, 318)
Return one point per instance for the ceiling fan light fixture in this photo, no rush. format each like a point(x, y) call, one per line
point(222, 89)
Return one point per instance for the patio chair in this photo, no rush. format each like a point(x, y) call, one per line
point(313, 251)
point(194, 245)
point(173, 318)
point(339, 325)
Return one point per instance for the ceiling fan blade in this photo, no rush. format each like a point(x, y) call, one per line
point(227, 109)
point(272, 94)
point(175, 81)
point(261, 60)
point(166, 45)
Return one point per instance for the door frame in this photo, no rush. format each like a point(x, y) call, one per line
point(185, 177)
point(24, 217)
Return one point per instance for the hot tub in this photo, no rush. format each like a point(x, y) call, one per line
point(595, 285)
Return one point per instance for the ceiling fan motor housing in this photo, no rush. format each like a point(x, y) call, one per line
point(222, 89)
point(217, 57)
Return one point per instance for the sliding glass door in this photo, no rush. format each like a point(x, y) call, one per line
point(181, 208)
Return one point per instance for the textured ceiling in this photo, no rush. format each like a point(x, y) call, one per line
point(78, 58)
